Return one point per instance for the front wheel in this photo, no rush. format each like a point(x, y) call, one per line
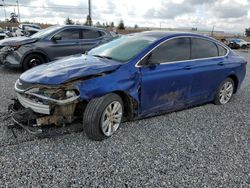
point(244, 46)
point(224, 92)
point(102, 116)
point(32, 60)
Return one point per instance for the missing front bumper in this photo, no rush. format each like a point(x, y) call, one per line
point(51, 114)
point(33, 122)
point(36, 107)
point(24, 118)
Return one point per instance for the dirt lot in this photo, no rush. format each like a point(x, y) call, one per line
point(206, 146)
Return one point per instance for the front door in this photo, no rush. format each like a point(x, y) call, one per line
point(166, 80)
point(68, 44)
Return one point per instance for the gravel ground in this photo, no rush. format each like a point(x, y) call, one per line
point(206, 146)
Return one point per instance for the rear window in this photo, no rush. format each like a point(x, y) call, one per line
point(202, 48)
point(91, 34)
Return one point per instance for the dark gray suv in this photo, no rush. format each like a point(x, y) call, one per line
point(50, 44)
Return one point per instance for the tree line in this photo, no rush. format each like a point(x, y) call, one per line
point(111, 25)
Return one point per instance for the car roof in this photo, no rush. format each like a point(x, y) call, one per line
point(81, 26)
point(165, 34)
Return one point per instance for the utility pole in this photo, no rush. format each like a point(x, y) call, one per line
point(19, 17)
point(90, 17)
point(4, 10)
point(212, 33)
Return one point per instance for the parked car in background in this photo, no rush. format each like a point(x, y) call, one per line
point(236, 43)
point(134, 76)
point(10, 32)
point(27, 29)
point(2, 34)
point(50, 44)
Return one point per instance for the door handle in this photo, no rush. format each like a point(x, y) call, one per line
point(221, 63)
point(188, 67)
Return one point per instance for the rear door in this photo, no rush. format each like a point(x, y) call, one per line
point(166, 85)
point(91, 38)
point(69, 44)
point(209, 66)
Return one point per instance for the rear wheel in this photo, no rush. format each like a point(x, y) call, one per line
point(102, 116)
point(33, 60)
point(224, 92)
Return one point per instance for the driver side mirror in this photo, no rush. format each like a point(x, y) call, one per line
point(56, 38)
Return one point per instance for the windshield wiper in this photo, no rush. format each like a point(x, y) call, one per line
point(102, 56)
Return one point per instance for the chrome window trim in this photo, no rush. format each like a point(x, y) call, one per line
point(172, 62)
point(50, 38)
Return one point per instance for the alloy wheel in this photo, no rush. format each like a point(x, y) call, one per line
point(111, 118)
point(226, 92)
point(34, 62)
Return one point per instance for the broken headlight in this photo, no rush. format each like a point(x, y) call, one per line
point(10, 48)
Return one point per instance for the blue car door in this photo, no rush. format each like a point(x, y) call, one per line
point(166, 80)
point(209, 67)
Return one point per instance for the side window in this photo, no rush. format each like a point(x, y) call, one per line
point(202, 48)
point(101, 33)
point(222, 50)
point(90, 34)
point(173, 50)
point(69, 34)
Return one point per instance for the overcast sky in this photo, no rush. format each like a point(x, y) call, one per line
point(228, 15)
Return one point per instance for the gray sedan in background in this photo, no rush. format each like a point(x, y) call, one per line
point(50, 44)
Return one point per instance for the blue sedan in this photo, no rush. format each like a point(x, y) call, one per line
point(134, 76)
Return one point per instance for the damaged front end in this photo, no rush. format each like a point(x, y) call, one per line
point(44, 105)
point(8, 57)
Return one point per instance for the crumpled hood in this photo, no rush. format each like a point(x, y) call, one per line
point(69, 68)
point(17, 41)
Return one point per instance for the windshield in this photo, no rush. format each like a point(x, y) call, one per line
point(44, 32)
point(124, 48)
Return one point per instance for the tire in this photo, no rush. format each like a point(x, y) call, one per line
point(95, 116)
point(230, 45)
point(223, 93)
point(244, 46)
point(33, 60)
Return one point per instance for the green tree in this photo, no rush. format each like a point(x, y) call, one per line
point(106, 25)
point(112, 25)
point(68, 21)
point(88, 21)
point(247, 32)
point(136, 26)
point(121, 25)
point(98, 24)
point(13, 18)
